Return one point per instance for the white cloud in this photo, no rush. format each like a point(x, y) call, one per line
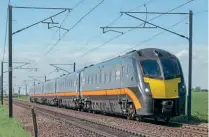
point(182, 53)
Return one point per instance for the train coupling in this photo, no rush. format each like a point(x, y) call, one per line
point(167, 106)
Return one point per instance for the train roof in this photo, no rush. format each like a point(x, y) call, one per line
point(154, 52)
point(146, 52)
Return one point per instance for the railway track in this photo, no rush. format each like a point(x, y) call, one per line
point(95, 127)
point(165, 129)
point(191, 129)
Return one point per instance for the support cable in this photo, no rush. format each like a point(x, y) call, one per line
point(65, 18)
point(5, 38)
point(58, 41)
point(147, 40)
point(110, 24)
point(136, 26)
point(152, 37)
point(148, 2)
point(72, 28)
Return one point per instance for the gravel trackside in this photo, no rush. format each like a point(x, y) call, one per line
point(47, 126)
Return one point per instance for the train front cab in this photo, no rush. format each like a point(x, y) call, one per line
point(163, 86)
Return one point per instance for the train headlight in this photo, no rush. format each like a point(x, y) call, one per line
point(147, 90)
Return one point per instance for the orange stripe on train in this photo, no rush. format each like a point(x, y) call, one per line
point(123, 91)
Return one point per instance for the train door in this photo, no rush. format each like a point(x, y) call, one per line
point(118, 84)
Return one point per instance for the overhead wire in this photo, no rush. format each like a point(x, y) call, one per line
point(81, 20)
point(86, 53)
point(137, 7)
point(57, 42)
point(62, 22)
point(152, 37)
point(5, 38)
point(110, 24)
point(200, 12)
point(53, 46)
point(147, 40)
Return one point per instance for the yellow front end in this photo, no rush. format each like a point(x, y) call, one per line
point(163, 89)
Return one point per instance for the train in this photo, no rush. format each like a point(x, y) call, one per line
point(144, 83)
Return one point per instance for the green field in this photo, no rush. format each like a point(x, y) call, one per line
point(10, 127)
point(199, 108)
point(200, 105)
point(22, 97)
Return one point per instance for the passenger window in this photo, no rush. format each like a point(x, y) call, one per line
point(66, 83)
point(122, 73)
point(127, 69)
point(117, 75)
point(92, 79)
point(88, 80)
point(105, 76)
point(110, 76)
point(113, 75)
point(99, 78)
point(96, 79)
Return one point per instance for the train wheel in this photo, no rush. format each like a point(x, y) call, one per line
point(128, 117)
point(155, 119)
point(139, 118)
point(131, 112)
point(167, 119)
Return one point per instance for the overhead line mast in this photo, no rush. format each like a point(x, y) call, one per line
point(11, 33)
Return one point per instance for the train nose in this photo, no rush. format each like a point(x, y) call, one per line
point(161, 89)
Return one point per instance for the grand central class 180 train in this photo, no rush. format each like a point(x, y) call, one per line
point(142, 83)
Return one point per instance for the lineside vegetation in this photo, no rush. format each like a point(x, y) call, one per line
point(10, 127)
point(199, 108)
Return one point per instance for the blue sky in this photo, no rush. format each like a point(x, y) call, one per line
point(31, 44)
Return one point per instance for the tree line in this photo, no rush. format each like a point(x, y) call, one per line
point(198, 89)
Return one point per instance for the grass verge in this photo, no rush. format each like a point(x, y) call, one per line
point(199, 109)
point(10, 127)
point(22, 97)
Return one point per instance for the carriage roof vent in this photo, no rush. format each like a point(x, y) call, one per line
point(139, 53)
point(130, 51)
